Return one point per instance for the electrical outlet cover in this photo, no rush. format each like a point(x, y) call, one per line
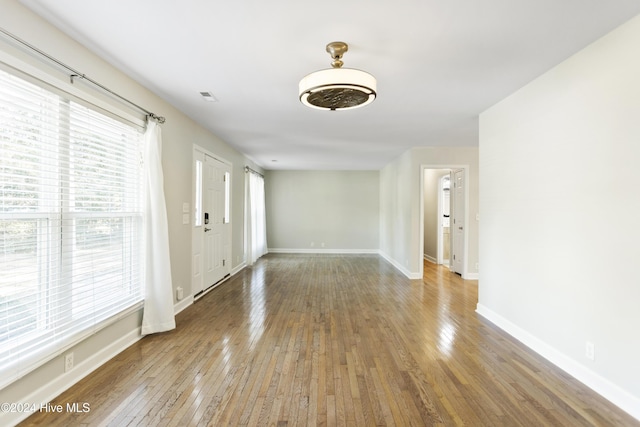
point(68, 362)
point(589, 351)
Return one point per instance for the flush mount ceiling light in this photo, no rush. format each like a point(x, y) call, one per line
point(337, 88)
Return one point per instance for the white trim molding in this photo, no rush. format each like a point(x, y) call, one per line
point(409, 274)
point(321, 251)
point(431, 259)
point(238, 268)
point(398, 266)
point(182, 304)
point(616, 395)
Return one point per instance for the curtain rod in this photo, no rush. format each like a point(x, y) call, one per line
point(77, 74)
point(248, 169)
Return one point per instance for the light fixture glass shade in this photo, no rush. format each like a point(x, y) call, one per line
point(337, 89)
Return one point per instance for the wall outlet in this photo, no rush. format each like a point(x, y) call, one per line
point(68, 362)
point(322, 244)
point(313, 244)
point(477, 266)
point(590, 351)
point(179, 293)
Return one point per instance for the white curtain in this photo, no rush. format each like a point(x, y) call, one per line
point(256, 218)
point(158, 313)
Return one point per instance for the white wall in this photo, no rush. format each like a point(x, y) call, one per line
point(559, 200)
point(401, 181)
point(179, 133)
point(308, 208)
point(397, 231)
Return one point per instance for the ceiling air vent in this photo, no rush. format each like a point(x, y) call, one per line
point(208, 96)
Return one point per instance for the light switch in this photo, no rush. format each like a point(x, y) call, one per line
point(185, 207)
point(185, 218)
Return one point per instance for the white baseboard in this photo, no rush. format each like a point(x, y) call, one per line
point(321, 251)
point(52, 389)
point(182, 304)
point(616, 395)
point(397, 265)
point(409, 274)
point(472, 276)
point(238, 268)
point(431, 259)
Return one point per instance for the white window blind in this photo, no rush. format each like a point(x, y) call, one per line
point(70, 223)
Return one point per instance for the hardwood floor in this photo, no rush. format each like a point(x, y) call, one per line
point(333, 340)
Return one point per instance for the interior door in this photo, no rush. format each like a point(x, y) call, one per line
point(457, 226)
point(216, 224)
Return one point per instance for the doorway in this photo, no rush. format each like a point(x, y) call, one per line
point(211, 231)
point(444, 220)
point(434, 216)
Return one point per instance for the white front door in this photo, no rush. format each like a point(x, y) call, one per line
point(457, 225)
point(216, 239)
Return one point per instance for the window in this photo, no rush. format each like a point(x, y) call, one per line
point(70, 222)
point(197, 210)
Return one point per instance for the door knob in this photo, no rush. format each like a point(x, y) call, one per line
point(206, 229)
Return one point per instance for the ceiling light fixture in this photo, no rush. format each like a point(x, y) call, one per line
point(337, 88)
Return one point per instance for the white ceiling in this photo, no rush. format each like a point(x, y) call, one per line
point(439, 63)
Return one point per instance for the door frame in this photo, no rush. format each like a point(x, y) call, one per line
point(465, 250)
point(197, 240)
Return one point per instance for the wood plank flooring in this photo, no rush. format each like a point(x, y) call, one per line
point(303, 340)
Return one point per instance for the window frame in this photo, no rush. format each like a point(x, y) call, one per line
point(53, 220)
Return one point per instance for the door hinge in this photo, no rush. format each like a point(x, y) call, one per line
point(223, 262)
